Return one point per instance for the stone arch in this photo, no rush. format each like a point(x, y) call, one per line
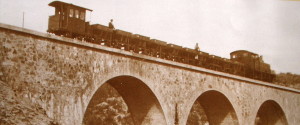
point(142, 103)
point(270, 113)
point(215, 109)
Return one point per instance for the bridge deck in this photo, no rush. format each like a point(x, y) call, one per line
point(78, 43)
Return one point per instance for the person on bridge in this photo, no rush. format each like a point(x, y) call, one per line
point(110, 25)
point(197, 48)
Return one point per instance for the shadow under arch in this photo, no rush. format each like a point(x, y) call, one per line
point(143, 105)
point(270, 113)
point(213, 108)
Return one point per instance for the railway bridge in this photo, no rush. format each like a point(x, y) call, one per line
point(63, 75)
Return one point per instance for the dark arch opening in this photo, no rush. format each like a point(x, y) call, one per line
point(270, 113)
point(212, 108)
point(124, 100)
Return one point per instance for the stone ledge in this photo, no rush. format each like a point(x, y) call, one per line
point(64, 40)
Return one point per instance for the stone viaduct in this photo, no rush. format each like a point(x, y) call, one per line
point(62, 75)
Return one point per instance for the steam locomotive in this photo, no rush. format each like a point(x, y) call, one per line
point(69, 21)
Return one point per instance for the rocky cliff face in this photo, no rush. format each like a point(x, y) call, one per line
point(197, 115)
point(16, 110)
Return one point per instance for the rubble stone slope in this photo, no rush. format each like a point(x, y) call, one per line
point(15, 110)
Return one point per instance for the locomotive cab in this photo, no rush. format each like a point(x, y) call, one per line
point(68, 20)
point(252, 60)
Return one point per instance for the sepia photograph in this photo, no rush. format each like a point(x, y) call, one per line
point(150, 62)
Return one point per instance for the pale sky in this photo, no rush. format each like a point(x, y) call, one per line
point(270, 28)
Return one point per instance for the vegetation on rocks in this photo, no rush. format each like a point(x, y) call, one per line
point(108, 109)
point(288, 79)
point(197, 115)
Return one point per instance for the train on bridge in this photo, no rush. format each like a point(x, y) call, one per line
point(70, 21)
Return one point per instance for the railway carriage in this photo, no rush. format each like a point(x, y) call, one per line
point(122, 39)
point(101, 34)
point(158, 48)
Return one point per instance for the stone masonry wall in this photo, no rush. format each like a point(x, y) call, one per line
point(61, 75)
